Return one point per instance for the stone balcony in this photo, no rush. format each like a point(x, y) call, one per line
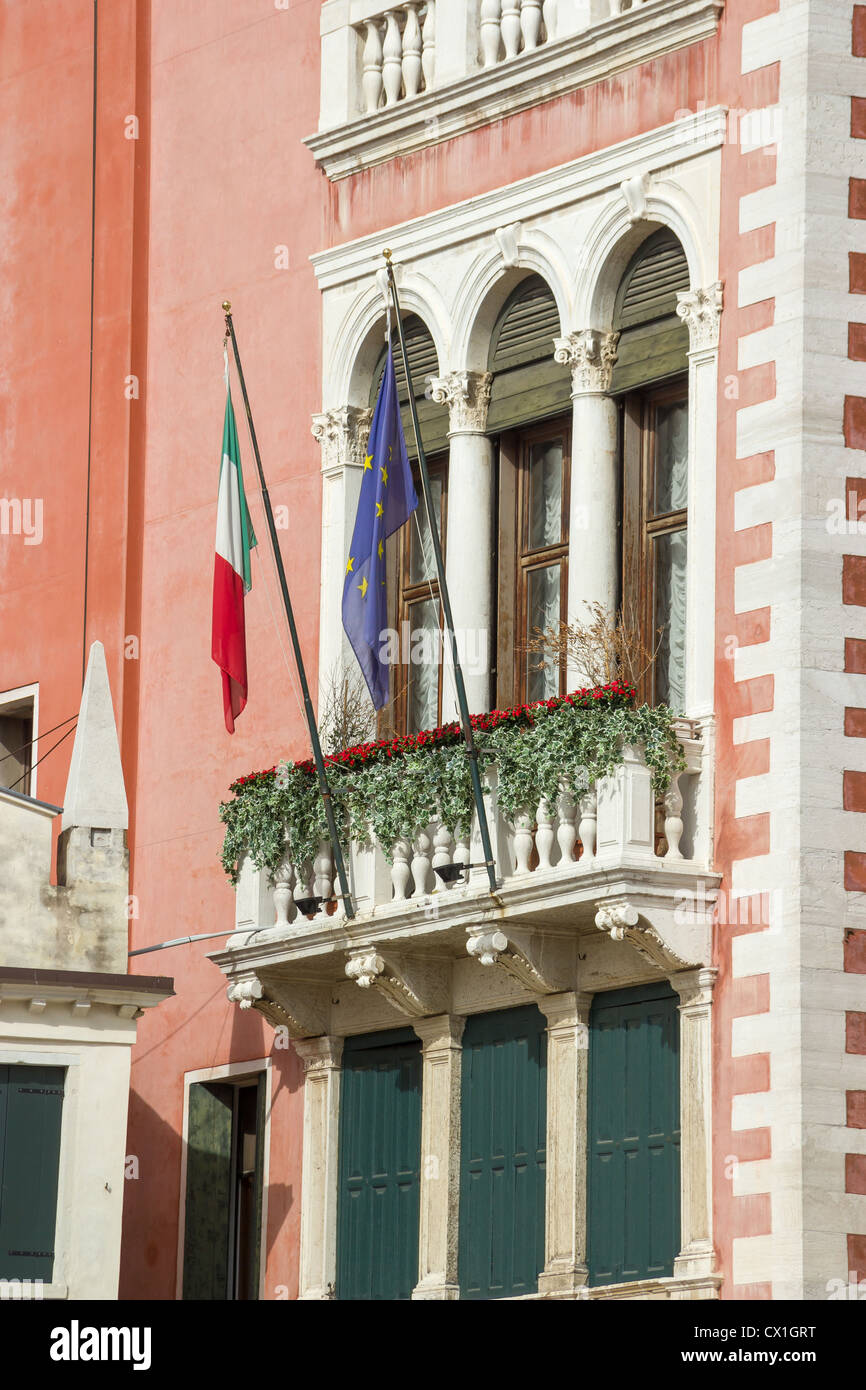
point(612, 863)
point(398, 78)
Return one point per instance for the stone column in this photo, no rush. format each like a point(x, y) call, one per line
point(701, 311)
point(342, 434)
point(695, 988)
point(593, 559)
point(469, 534)
point(440, 1156)
point(321, 1058)
point(565, 1267)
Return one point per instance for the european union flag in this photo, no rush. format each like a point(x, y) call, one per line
point(387, 499)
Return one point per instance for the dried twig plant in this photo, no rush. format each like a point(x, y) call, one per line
point(603, 647)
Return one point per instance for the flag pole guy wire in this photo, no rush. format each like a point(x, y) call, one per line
point(462, 705)
point(324, 788)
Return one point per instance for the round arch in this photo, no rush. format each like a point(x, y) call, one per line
point(351, 356)
point(487, 285)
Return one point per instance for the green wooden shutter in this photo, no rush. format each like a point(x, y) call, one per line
point(634, 1136)
point(31, 1107)
point(653, 342)
point(503, 1148)
point(423, 363)
point(527, 383)
point(208, 1191)
point(380, 1158)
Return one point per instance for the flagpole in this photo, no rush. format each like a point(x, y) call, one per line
point(324, 788)
point(462, 703)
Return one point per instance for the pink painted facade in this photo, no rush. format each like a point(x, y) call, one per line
point(112, 415)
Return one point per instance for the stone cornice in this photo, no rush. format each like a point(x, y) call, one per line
point(528, 199)
point(556, 68)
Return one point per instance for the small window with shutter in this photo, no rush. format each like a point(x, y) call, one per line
point(31, 1111)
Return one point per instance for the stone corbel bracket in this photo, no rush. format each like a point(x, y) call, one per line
point(302, 1011)
point(543, 966)
point(507, 239)
point(415, 988)
point(634, 191)
point(622, 922)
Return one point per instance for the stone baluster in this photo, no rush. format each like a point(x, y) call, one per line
point(544, 835)
point(510, 27)
point(462, 853)
point(548, 10)
point(673, 802)
point(442, 845)
point(522, 841)
point(587, 829)
point(490, 31)
point(421, 863)
point(400, 870)
point(428, 52)
point(392, 59)
point(303, 881)
point(371, 78)
point(323, 867)
point(616, 7)
point(566, 834)
point(530, 23)
point(284, 878)
point(412, 52)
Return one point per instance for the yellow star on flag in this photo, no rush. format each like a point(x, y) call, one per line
point(381, 550)
point(368, 462)
point(380, 510)
point(384, 472)
point(363, 586)
point(351, 565)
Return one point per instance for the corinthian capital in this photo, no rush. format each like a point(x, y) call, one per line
point(343, 435)
point(590, 355)
point(467, 395)
point(701, 310)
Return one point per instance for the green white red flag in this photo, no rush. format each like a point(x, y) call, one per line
point(231, 576)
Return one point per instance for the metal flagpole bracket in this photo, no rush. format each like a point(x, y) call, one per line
point(462, 703)
point(324, 789)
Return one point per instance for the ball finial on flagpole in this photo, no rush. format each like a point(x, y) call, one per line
point(387, 253)
point(227, 306)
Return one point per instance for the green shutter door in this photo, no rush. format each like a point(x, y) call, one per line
point(380, 1157)
point(634, 1135)
point(31, 1106)
point(503, 1146)
point(208, 1191)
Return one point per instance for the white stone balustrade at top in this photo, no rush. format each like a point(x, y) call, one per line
point(618, 823)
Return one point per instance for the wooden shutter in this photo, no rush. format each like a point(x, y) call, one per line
point(634, 1135)
point(380, 1159)
point(653, 341)
point(208, 1191)
point(527, 384)
point(503, 1149)
point(31, 1108)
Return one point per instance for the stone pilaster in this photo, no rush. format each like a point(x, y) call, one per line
point(695, 988)
point(440, 1156)
point(565, 1267)
point(318, 1264)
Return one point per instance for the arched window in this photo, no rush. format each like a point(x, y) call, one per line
point(413, 585)
point(651, 376)
point(530, 412)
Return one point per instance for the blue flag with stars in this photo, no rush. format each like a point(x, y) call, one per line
point(387, 500)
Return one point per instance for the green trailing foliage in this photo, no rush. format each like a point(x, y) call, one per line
point(393, 789)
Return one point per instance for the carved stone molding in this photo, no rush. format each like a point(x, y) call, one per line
point(303, 1011)
point(467, 395)
point(415, 988)
point(622, 922)
point(701, 311)
point(635, 190)
point(320, 1056)
point(591, 356)
point(507, 239)
point(343, 434)
point(695, 988)
point(539, 965)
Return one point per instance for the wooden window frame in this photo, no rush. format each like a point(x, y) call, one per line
point(409, 594)
point(528, 560)
point(641, 525)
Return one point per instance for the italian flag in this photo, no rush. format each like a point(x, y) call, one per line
point(231, 573)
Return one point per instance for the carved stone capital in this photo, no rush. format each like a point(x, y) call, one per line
point(467, 395)
point(415, 988)
point(695, 988)
point(591, 356)
point(622, 922)
point(303, 1012)
point(701, 310)
point(343, 435)
point(320, 1055)
point(539, 965)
